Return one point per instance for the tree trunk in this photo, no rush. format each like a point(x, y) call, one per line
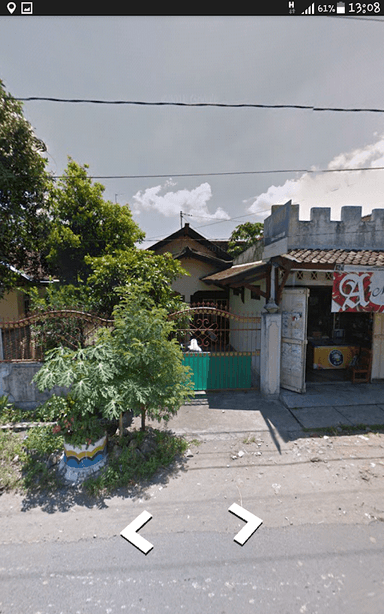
point(143, 411)
point(121, 425)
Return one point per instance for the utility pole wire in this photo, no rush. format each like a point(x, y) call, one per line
point(267, 172)
point(202, 104)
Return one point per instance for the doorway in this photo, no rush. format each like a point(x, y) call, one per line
point(333, 338)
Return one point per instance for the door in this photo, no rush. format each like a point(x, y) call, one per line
point(378, 346)
point(294, 309)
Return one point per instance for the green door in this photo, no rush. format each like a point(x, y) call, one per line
point(219, 370)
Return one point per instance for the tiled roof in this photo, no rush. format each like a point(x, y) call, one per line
point(330, 257)
point(233, 271)
point(364, 257)
point(188, 252)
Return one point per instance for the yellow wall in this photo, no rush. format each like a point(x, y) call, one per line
point(12, 306)
point(187, 286)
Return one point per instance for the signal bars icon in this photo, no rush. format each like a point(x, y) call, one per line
point(310, 10)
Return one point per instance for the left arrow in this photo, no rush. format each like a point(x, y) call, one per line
point(131, 535)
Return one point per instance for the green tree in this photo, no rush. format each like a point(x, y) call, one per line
point(112, 277)
point(84, 224)
point(249, 233)
point(23, 185)
point(115, 275)
point(136, 366)
point(156, 382)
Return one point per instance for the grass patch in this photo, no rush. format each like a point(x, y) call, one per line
point(28, 458)
point(135, 459)
point(195, 442)
point(11, 457)
point(10, 414)
point(250, 439)
point(41, 447)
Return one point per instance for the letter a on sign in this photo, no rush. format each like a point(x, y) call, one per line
point(350, 292)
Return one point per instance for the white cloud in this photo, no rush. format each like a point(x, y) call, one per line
point(334, 190)
point(194, 202)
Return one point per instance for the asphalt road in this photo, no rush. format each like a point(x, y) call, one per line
point(318, 551)
point(311, 569)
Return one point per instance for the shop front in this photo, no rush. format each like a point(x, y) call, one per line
point(335, 340)
point(319, 317)
point(328, 330)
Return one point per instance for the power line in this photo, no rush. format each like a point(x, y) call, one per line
point(244, 105)
point(228, 173)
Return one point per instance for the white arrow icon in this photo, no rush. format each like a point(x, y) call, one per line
point(253, 523)
point(131, 535)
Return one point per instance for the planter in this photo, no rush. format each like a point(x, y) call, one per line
point(79, 462)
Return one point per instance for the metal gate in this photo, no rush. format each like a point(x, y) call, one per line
point(222, 348)
point(31, 337)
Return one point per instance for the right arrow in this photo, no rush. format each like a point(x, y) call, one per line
point(253, 523)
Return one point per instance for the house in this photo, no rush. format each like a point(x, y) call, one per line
point(319, 291)
point(14, 305)
point(199, 257)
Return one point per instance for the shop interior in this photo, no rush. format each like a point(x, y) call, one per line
point(334, 339)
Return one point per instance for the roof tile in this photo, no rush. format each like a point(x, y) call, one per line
point(339, 256)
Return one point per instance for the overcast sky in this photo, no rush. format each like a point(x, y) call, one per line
point(294, 60)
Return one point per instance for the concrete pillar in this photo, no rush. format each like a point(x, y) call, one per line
point(270, 350)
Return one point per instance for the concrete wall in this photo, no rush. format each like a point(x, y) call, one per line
point(252, 254)
point(15, 383)
point(188, 285)
point(320, 232)
point(241, 340)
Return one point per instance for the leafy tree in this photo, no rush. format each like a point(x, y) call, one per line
point(115, 275)
point(137, 366)
point(250, 232)
point(84, 224)
point(23, 185)
point(155, 380)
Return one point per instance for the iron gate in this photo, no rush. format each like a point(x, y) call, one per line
point(31, 337)
point(222, 348)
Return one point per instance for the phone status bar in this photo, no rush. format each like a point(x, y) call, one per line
point(276, 8)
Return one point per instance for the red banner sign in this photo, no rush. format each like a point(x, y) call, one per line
point(358, 292)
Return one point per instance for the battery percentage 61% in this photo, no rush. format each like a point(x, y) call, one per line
point(326, 8)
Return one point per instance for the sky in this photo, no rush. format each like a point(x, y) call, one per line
point(293, 60)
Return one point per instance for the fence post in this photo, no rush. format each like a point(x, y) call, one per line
point(1, 345)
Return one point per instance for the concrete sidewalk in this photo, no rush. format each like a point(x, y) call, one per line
point(325, 405)
point(221, 415)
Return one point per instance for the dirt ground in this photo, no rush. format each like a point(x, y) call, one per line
point(285, 480)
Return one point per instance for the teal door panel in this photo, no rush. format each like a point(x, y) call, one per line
point(215, 371)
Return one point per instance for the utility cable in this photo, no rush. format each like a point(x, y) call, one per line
point(201, 104)
point(228, 173)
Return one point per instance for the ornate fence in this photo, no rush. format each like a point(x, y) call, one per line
point(29, 338)
point(221, 347)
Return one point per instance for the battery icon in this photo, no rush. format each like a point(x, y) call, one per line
point(340, 7)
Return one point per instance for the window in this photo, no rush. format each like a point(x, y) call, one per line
point(254, 294)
